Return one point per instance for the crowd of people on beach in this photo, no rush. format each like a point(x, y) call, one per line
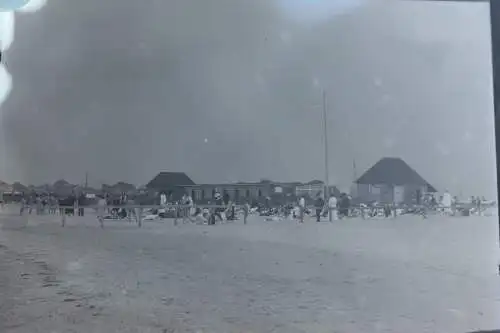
point(224, 208)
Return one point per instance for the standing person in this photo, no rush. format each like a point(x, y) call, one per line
point(227, 203)
point(51, 204)
point(163, 205)
point(219, 209)
point(226, 199)
point(332, 208)
point(190, 206)
point(163, 199)
point(101, 210)
point(319, 204)
point(186, 203)
point(446, 202)
point(246, 210)
point(228, 210)
point(23, 205)
point(81, 202)
point(44, 205)
point(38, 202)
point(130, 210)
point(302, 209)
point(344, 205)
point(30, 204)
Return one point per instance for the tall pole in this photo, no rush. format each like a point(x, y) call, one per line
point(325, 135)
point(495, 59)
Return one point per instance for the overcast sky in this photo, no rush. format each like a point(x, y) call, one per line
point(228, 90)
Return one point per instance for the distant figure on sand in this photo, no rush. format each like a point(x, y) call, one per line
point(344, 205)
point(218, 210)
point(101, 210)
point(319, 204)
point(446, 203)
point(332, 208)
point(302, 209)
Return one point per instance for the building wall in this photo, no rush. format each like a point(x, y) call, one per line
point(309, 190)
point(312, 190)
point(385, 193)
point(238, 193)
point(241, 193)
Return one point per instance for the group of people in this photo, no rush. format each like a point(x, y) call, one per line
point(334, 208)
point(50, 204)
point(223, 208)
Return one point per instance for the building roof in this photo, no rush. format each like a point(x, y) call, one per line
point(168, 179)
point(61, 182)
point(18, 187)
point(4, 187)
point(119, 187)
point(315, 182)
point(393, 171)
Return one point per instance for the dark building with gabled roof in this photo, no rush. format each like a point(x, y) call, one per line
point(391, 180)
point(172, 183)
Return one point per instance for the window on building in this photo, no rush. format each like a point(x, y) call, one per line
point(203, 194)
point(260, 192)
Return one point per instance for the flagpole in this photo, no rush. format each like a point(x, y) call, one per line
point(325, 135)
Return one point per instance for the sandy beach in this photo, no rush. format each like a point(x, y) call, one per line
point(396, 275)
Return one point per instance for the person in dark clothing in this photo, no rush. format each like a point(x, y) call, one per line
point(218, 210)
point(344, 205)
point(67, 205)
point(319, 204)
point(387, 211)
point(227, 198)
point(231, 215)
point(81, 202)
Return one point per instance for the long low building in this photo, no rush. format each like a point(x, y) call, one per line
point(175, 184)
point(241, 192)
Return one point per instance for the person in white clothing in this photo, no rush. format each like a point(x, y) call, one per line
point(190, 203)
point(332, 208)
point(446, 202)
point(302, 209)
point(101, 210)
point(163, 199)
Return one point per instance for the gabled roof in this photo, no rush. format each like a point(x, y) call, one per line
point(315, 182)
point(18, 187)
point(392, 171)
point(169, 179)
point(61, 182)
point(119, 187)
point(4, 187)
